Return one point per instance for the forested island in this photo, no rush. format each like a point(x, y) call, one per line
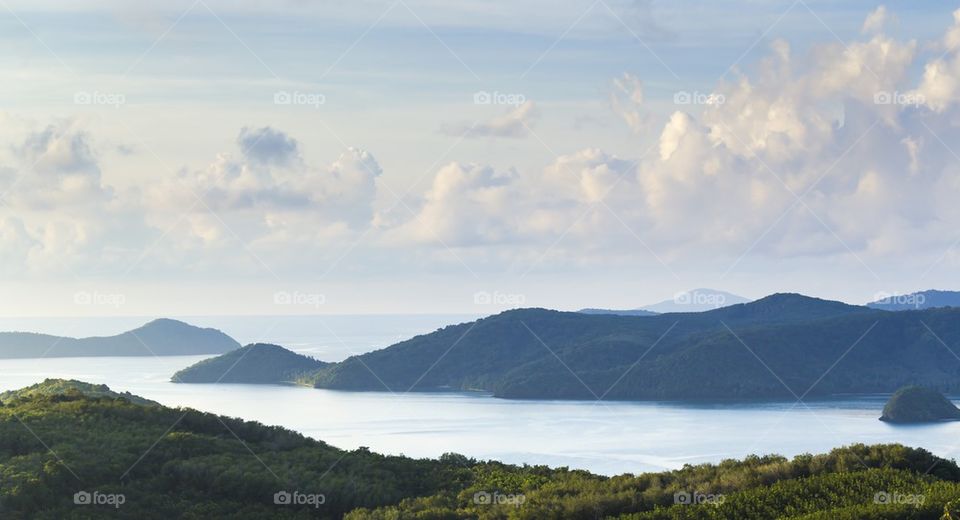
point(256, 363)
point(915, 404)
point(780, 347)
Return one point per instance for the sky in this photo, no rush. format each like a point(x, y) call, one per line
point(297, 157)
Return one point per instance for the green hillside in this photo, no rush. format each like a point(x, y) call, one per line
point(124, 460)
point(70, 387)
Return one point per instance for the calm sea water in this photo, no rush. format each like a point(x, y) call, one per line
point(608, 438)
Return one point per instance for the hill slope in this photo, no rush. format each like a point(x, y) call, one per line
point(70, 387)
point(58, 451)
point(163, 337)
point(258, 363)
point(782, 346)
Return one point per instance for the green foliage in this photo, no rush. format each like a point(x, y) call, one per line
point(176, 463)
point(841, 484)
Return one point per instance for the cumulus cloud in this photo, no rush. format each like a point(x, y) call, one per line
point(515, 123)
point(626, 100)
point(876, 20)
point(830, 128)
point(940, 86)
point(57, 213)
point(267, 201)
point(833, 126)
point(267, 146)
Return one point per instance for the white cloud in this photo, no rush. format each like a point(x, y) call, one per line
point(875, 20)
point(515, 123)
point(626, 100)
point(875, 177)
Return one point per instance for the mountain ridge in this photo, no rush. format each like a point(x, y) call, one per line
point(782, 346)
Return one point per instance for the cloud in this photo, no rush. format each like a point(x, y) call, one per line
point(940, 86)
point(257, 204)
point(467, 204)
point(57, 213)
point(267, 146)
point(727, 176)
point(874, 173)
point(626, 100)
point(875, 21)
point(514, 124)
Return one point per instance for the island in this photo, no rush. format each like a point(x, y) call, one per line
point(742, 351)
point(258, 363)
point(778, 347)
point(915, 404)
point(162, 337)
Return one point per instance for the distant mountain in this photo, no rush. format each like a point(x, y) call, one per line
point(697, 300)
point(616, 312)
point(781, 346)
point(919, 300)
point(70, 387)
point(915, 404)
point(163, 337)
point(259, 363)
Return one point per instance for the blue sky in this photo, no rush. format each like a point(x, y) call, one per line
point(384, 187)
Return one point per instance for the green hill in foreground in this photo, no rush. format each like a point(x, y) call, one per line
point(71, 387)
point(70, 455)
point(258, 363)
point(914, 404)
